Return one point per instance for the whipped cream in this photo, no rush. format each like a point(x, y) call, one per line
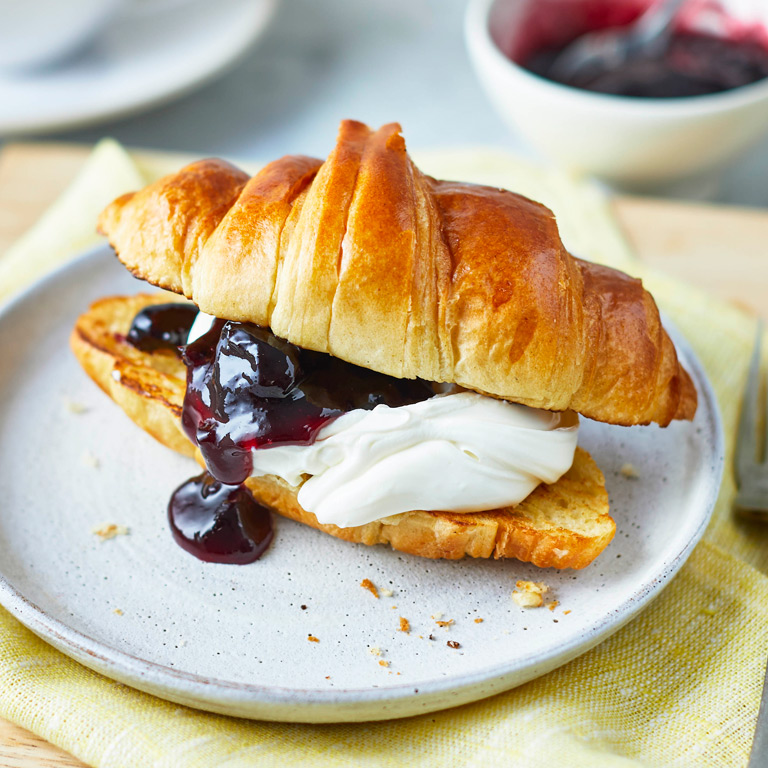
point(202, 324)
point(456, 452)
point(459, 452)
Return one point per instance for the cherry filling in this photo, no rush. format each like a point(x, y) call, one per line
point(162, 326)
point(691, 65)
point(248, 389)
point(219, 523)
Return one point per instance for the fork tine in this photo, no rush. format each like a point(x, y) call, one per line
point(759, 345)
point(746, 444)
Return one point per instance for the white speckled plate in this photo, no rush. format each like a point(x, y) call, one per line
point(233, 639)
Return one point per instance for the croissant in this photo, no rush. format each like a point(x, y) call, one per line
point(368, 259)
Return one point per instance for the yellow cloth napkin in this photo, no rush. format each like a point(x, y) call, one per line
point(679, 686)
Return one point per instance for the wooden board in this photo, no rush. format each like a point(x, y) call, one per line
point(719, 248)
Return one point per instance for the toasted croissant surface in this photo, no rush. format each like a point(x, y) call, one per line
point(563, 525)
point(366, 258)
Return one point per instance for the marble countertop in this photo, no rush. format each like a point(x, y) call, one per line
point(375, 61)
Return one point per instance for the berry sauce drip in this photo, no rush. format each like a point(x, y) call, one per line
point(219, 523)
point(691, 65)
point(162, 326)
point(248, 389)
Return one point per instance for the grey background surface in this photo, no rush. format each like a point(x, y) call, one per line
point(372, 60)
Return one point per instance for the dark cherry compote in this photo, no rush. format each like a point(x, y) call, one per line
point(246, 390)
point(219, 523)
point(691, 64)
point(162, 326)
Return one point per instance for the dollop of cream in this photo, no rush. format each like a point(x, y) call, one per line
point(202, 324)
point(459, 452)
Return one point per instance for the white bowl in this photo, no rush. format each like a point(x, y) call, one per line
point(629, 141)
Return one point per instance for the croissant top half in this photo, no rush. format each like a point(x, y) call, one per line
point(366, 258)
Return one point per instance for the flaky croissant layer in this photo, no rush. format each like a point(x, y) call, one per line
point(365, 258)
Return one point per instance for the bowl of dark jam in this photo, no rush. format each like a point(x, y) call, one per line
point(661, 116)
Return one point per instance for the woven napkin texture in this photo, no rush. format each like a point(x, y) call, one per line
point(678, 686)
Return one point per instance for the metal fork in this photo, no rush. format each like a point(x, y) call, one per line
point(751, 459)
point(751, 467)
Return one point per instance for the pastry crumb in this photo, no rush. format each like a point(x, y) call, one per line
point(107, 531)
point(313, 639)
point(453, 644)
point(90, 460)
point(565, 613)
point(437, 616)
point(383, 663)
point(375, 651)
point(327, 677)
point(628, 470)
point(479, 621)
point(445, 624)
point(370, 586)
point(74, 407)
point(405, 625)
point(529, 594)
point(118, 611)
point(553, 605)
point(386, 592)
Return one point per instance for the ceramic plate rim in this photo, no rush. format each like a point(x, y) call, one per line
point(135, 671)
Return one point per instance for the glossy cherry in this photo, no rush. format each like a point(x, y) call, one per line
point(162, 326)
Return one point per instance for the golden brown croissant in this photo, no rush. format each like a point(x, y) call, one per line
point(364, 257)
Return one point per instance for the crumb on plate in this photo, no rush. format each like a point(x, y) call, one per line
point(74, 407)
point(89, 460)
point(628, 470)
point(529, 594)
point(107, 531)
point(405, 625)
point(370, 586)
